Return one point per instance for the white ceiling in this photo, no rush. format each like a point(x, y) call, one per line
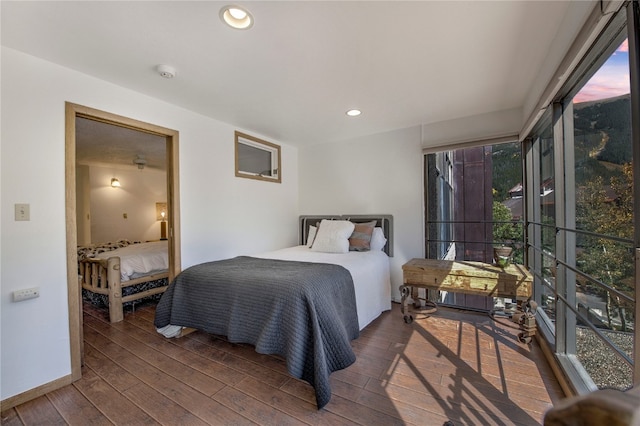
point(303, 64)
point(104, 144)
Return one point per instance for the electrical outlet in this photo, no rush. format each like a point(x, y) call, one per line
point(26, 293)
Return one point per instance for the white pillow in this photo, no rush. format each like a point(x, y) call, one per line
point(377, 239)
point(332, 236)
point(312, 235)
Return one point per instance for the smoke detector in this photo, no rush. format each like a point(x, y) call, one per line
point(166, 71)
point(140, 162)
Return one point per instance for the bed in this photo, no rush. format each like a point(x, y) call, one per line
point(302, 303)
point(122, 273)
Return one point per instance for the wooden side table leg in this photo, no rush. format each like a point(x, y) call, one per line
point(405, 291)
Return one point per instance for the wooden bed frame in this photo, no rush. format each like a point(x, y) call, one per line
point(102, 276)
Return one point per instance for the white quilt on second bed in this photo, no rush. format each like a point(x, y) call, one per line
point(137, 260)
point(369, 270)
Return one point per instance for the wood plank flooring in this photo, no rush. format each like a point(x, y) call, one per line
point(452, 366)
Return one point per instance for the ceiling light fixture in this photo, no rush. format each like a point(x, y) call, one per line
point(166, 71)
point(236, 17)
point(353, 112)
point(140, 161)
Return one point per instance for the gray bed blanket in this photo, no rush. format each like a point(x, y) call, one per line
point(304, 312)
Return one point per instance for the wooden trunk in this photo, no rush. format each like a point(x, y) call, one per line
point(469, 277)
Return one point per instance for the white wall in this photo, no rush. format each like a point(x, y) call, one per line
point(491, 125)
point(378, 174)
point(221, 215)
point(573, 21)
point(136, 199)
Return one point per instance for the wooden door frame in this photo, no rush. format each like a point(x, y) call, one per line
point(73, 111)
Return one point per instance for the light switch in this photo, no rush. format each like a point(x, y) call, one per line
point(22, 212)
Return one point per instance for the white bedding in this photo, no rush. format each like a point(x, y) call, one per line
point(137, 260)
point(369, 269)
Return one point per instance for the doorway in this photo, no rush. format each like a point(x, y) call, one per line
point(73, 112)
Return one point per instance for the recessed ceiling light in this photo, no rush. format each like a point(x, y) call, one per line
point(353, 112)
point(236, 17)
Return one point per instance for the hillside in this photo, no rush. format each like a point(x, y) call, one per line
point(603, 135)
point(602, 144)
point(507, 170)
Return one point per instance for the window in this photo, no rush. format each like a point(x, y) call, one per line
point(439, 198)
point(257, 159)
point(580, 218)
point(546, 223)
point(474, 203)
point(604, 281)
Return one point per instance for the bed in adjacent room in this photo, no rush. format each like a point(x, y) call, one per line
point(121, 273)
point(305, 303)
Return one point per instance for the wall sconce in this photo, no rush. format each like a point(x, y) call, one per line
point(115, 183)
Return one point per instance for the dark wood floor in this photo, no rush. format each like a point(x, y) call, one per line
point(453, 365)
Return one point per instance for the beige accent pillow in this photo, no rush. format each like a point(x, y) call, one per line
point(360, 240)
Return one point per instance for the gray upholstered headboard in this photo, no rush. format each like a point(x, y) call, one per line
point(384, 221)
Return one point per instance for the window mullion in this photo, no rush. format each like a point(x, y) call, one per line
point(562, 326)
point(570, 223)
point(533, 213)
point(633, 31)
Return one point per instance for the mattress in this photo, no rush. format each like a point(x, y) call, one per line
point(137, 260)
point(370, 271)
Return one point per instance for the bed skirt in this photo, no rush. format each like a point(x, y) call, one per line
point(102, 300)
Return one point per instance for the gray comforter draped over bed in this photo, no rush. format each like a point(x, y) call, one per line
point(304, 312)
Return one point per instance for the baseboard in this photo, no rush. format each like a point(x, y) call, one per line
point(35, 392)
point(555, 367)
